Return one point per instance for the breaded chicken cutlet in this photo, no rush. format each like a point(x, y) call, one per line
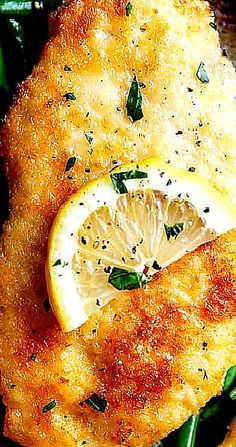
point(230, 440)
point(159, 353)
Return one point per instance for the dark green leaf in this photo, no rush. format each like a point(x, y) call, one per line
point(14, 7)
point(123, 280)
point(70, 96)
point(26, 7)
point(128, 9)
point(202, 74)
point(96, 402)
point(232, 394)
point(173, 230)
point(34, 357)
point(70, 163)
point(89, 136)
point(119, 177)
point(210, 409)
point(134, 102)
point(58, 262)
point(186, 435)
point(230, 379)
point(3, 77)
point(49, 406)
point(17, 30)
point(17, 45)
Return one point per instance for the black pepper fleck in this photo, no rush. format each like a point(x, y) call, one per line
point(46, 305)
point(156, 266)
point(83, 240)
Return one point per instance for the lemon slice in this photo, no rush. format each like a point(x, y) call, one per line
point(118, 231)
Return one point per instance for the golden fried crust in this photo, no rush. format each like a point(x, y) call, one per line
point(159, 353)
point(156, 356)
point(230, 440)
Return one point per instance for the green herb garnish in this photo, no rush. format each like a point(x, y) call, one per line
point(230, 379)
point(119, 177)
point(34, 357)
point(232, 394)
point(70, 96)
point(128, 9)
point(173, 230)
point(3, 73)
point(96, 402)
point(26, 8)
point(213, 25)
point(202, 74)
point(210, 409)
point(49, 406)
point(134, 102)
point(123, 280)
point(70, 163)
point(186, 435)
point(58, 262)
point(89, 136)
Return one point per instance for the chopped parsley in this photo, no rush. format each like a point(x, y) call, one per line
point(128, 9)
point(70, 96)
point(173, 231)
point(89, 136)
point(123, 280)
point(70, 163)
point(33, 357)
point(202, 74)
point(119, 177)
point(49, 406)
point(213, 25)
point(57, 262)
point(134, 102)
point(96, 402)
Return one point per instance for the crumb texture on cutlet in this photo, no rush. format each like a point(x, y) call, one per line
point(230, 440)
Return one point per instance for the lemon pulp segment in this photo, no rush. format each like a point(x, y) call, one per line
point(121, 229)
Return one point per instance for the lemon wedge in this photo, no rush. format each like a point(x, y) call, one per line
point(120, 230)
